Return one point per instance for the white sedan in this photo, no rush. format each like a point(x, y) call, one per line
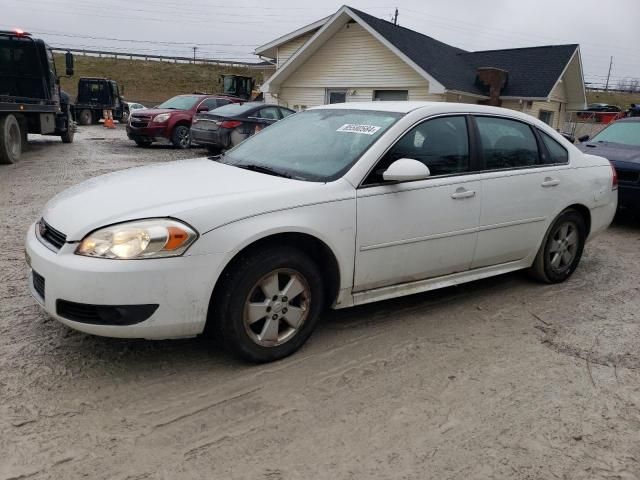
point(336, 206)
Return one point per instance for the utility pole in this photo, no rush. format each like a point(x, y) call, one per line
point(395, 17)
point(194, 53)
point(606, 87)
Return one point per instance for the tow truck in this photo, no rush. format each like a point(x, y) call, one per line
point(30, 97)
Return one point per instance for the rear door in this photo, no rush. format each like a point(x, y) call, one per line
point(522, 186)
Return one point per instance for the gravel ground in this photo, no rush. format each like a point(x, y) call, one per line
point(502, 378)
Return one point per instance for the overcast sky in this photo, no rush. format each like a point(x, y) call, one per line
point(232, 29)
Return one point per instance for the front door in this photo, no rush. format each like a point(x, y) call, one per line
point(419, 229)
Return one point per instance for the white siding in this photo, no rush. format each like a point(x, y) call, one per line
point(351, 58)
point(286, 50)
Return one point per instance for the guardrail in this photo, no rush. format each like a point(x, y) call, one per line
point(166, 58)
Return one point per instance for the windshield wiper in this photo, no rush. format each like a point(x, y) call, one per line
point(262, 169)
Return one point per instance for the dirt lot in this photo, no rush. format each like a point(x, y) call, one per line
point(502, 378)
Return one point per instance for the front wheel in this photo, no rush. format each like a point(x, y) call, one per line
point(11, 138)
point(67, 136)
point(144, 143)
point(269, 304)
point(561, 249)
point(181, 137)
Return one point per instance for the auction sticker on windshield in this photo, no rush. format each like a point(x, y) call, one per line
point(352, 128)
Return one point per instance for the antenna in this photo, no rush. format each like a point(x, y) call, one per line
point(395, 17)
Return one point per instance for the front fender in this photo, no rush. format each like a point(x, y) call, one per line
point(333, 223)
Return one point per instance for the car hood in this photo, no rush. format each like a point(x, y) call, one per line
point(613, 152)
point(204, 193)
point(156, 111)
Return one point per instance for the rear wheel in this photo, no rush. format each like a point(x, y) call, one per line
point(85, 117)
point(268, 305)
point(181, 137)
point(11, 138)
point(561, 249)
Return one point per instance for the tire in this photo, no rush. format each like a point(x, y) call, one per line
point(67, 137)
point(85, 117)
point(125, 117)
point(181, 137)
point(267, 332)
point(561, 248)
point(11, 138)
point(143, 142)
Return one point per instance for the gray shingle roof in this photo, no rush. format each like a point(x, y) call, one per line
point(533, 72)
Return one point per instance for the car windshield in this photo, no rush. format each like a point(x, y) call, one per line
point(181, 102)
point(625, 133)
point(234, 109)
point(315, 145)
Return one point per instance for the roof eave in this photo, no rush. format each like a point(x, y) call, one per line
point(268, 49)
point(435, 87)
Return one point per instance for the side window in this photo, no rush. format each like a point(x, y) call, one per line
point(442, 144)
point(211, 103)
point(506, 143)
point(557, 153)
point(285, 113)
point(269, 113)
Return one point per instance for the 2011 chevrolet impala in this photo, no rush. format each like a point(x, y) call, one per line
point(337, 206)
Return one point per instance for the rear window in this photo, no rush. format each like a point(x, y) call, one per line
point(18, 57)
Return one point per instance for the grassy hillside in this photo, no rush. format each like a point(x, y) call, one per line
point(623, 100)
point(149, 82)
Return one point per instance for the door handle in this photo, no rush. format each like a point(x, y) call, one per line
point(550, 182)
point(463, 193)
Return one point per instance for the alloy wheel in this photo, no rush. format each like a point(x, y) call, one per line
point(563, 246)
point(277, 307)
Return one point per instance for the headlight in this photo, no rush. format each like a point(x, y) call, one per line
point(151, 238)
point(163, 117)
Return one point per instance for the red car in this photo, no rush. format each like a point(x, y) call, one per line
point(171, 120)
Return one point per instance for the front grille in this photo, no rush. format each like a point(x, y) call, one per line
point(140, 121)
point(50, 235)
point(628, 176)
point(38, 283)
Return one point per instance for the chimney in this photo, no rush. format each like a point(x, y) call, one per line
point(493, 79)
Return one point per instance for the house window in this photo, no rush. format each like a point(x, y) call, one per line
point(391, 95)
point(546, 116)
point(336, 96)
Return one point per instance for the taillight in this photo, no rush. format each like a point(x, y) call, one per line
point(614, 179)
point(230, 124)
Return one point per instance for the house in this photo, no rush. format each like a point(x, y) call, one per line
point(352, 56)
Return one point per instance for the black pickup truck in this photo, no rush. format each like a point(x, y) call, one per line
point(30, 97)
point(95, 95)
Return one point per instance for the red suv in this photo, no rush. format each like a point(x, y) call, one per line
point(171, 120)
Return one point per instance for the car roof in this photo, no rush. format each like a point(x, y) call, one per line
point(431, 108)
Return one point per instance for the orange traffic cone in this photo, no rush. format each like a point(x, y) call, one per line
point(108, 119)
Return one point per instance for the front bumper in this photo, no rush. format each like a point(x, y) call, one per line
point(151, 132)
point(180, 286)
point(629, 196)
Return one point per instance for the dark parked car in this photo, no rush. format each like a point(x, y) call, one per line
point(620, 144)
point(227, 126)
point(603, 107)
point(171, 120)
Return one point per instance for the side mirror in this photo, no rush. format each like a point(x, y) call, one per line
point(203, 109)
point(68, 60)
point(406, 169)
point(584, 138)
